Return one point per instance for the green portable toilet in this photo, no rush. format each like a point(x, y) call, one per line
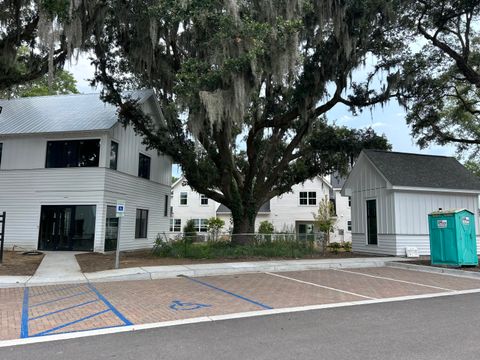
point(452, 237)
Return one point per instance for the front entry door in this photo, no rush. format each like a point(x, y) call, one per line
point(67, 227)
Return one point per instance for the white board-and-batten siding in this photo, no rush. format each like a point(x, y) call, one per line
point(402, 214)
point(412, 209)
point(368, 184)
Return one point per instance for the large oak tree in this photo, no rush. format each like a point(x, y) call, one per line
point(245, 85)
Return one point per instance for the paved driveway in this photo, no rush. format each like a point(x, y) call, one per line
point(47, 310)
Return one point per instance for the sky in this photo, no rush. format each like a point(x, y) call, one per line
point(388, 120)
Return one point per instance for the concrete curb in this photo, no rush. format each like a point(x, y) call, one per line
point(162, 272)
point(434, 270)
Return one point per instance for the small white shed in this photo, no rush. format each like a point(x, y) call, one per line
point(392, 194)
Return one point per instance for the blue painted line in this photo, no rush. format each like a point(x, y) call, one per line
point(229, 293)
point(60, 299)
point(70, 323)
point(106, 302)
point(55, 290)
point(24, 325)
point(64, 309)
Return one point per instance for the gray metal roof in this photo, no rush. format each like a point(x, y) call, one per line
point(222, 209)
point(337, 180)
point(424, 171)
point(60, 113)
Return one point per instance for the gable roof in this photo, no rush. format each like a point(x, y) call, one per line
point(60, 113)
point(265, 208)
point(422, 171)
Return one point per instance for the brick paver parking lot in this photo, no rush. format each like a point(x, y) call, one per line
point(46, 310)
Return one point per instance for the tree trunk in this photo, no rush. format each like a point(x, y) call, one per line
point(243, 226)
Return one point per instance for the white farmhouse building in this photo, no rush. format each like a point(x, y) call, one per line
point(290, 212)
point(392, 194)
point(65, 161)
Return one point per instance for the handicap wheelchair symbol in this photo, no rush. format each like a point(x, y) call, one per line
point(181, 306)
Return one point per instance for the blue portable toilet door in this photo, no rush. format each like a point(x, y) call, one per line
point(467, 224)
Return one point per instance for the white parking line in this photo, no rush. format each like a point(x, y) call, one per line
point(397, 280)
point(321, 286)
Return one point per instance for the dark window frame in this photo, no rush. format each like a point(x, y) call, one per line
point(113, 161)
point(175, 225)
point(1, 153)
point(72, 153)
point(144, 166)
point(372, 222)
point(202, 198)
point(186, 198)
point(165, 210)
point(307, 198)
point(141, 224)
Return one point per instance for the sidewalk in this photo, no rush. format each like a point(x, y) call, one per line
point(62, 270)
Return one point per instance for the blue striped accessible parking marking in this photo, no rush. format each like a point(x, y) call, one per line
point(27, 305)
point(229, 293)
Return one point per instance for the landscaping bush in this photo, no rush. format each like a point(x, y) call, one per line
point(347, 246)
point(266, 229)
point(335, 247)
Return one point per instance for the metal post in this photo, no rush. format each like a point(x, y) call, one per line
point(4, 215)
point(117, 251)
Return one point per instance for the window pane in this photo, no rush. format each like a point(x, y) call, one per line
point(141, 222)
point(165, 210)
point(203, 225)
point(183, 198)
point(203, 200)
point(303, 198)
point(312, 198)
point(113, 155)
point(73, 153)
point(1, 150)
point(144, 166)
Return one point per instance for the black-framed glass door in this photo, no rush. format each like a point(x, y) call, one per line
point(372, 236)
point(67, 227)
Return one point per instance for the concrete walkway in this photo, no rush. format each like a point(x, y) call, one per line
point(62, 267)
point(58, 266)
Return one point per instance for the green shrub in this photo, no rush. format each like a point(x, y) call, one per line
point(335, 247)
point(347, 246)
point(189, 231)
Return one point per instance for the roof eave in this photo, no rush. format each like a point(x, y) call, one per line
point(432, 189)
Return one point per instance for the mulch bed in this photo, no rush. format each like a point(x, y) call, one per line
point(425, 261)
point(91, 262)
point(16, 264)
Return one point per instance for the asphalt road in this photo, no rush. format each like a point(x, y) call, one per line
point(438, 328)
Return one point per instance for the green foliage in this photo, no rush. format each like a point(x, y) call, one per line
point(189, 230)
point(62, 84)
point(347, 246)
point(222, 249)
point(335, 247)
point(266, 227)
point(441, 79)
point(473, 166)
point(214, 226)
point(325, 221)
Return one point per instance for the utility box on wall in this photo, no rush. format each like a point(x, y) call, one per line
point(452, 237)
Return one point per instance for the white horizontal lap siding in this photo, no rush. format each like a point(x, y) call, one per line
point(386, 245)
point(286, 210)
point(367, 184)
point(138, 194)
point(412, 209)
point(23, 192)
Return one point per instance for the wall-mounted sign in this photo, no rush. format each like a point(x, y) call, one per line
point(466, 220)
point(441, 224)
point(120, 208)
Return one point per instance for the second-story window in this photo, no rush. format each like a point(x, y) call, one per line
point(165, 209)
point(113, 155)
point(144, 166)
point(203, 200)
point(1, 150)
point(349, 201)
point(72, 153)
point(183, 198)
point(308, 198)
point(349, 225)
